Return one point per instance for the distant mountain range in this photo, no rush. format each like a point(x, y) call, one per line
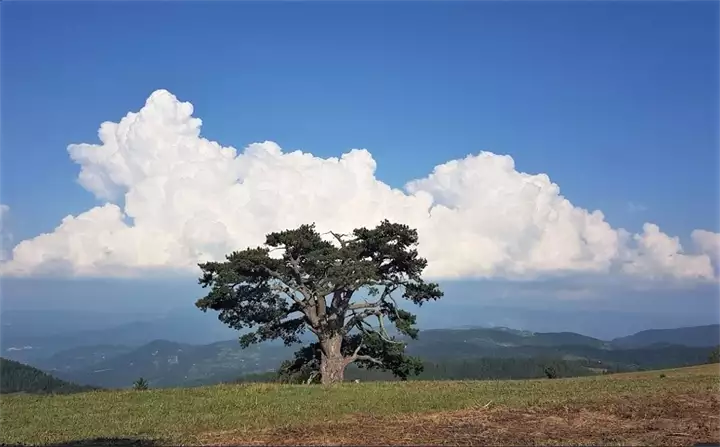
point(686, 336)
point(41, 332)
point(28, 346)
point(164, 363)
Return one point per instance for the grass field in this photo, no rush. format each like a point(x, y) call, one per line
point(671, 407)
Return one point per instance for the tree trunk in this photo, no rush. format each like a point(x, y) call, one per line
point(332, 362)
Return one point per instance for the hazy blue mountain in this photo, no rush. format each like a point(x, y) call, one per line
point(34, 323)
point(166, 363)
point(89, 304)
point(81, 357)
point(181, 327)
point(687, 336)
point(602, 324)
point(498, 342)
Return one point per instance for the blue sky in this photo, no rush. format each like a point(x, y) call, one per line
point(616, 101)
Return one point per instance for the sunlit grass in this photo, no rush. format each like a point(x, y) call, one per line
point(180, 415)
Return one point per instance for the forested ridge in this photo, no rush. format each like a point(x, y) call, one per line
point(469, 369)
point(16, 377)
point(446, 354)
point(453, 361)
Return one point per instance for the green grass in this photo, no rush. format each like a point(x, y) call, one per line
point(182, 415)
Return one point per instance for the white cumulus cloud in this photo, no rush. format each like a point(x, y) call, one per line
point(707, 242)
point(173, 199)
point(659, 255)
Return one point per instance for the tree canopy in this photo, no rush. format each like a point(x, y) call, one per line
point(301, 281)
point(17, 377)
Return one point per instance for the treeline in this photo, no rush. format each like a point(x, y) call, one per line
point(512, 368)
point(466, 369)
point(499, 368)
point(16, 377)
point(659, 357)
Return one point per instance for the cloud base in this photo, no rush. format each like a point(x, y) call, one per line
point(172, 198)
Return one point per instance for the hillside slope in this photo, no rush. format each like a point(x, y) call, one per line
point(18, 378)
point(650, 408)
point(163, 364)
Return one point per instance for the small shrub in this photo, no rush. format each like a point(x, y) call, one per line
point(714, 356)
point(550, 372)
point(662, 376)
point(140, 384)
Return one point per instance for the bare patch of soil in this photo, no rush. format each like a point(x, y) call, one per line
point(668, 420)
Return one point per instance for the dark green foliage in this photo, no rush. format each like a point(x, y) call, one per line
point(16, 377)
point(303, 368)
point(266, 377)
point(488, 369)
point(140, 384)
point(312, 284)
point(714, 356)
point(643, 359)
point(550, 372)
point(499, 368)
point(467, 369)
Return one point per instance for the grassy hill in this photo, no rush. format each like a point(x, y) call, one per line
point(672, 407)
point(18, 378)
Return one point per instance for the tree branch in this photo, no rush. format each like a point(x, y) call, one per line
point(369, 359)
point(306, 293)
point(355, 352)
point(312, 376)
point(357, 356)
point(319, 302)
point(287, 291)
point(358, 318)
point(387, 293)
point(364, 305)
point(302, 306)
point(395, 307)
point(383, 335)
point(307, 300)
point(339, 237)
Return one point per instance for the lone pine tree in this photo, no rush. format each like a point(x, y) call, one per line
point(310, 284)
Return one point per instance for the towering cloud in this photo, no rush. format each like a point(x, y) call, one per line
point(174, 199)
